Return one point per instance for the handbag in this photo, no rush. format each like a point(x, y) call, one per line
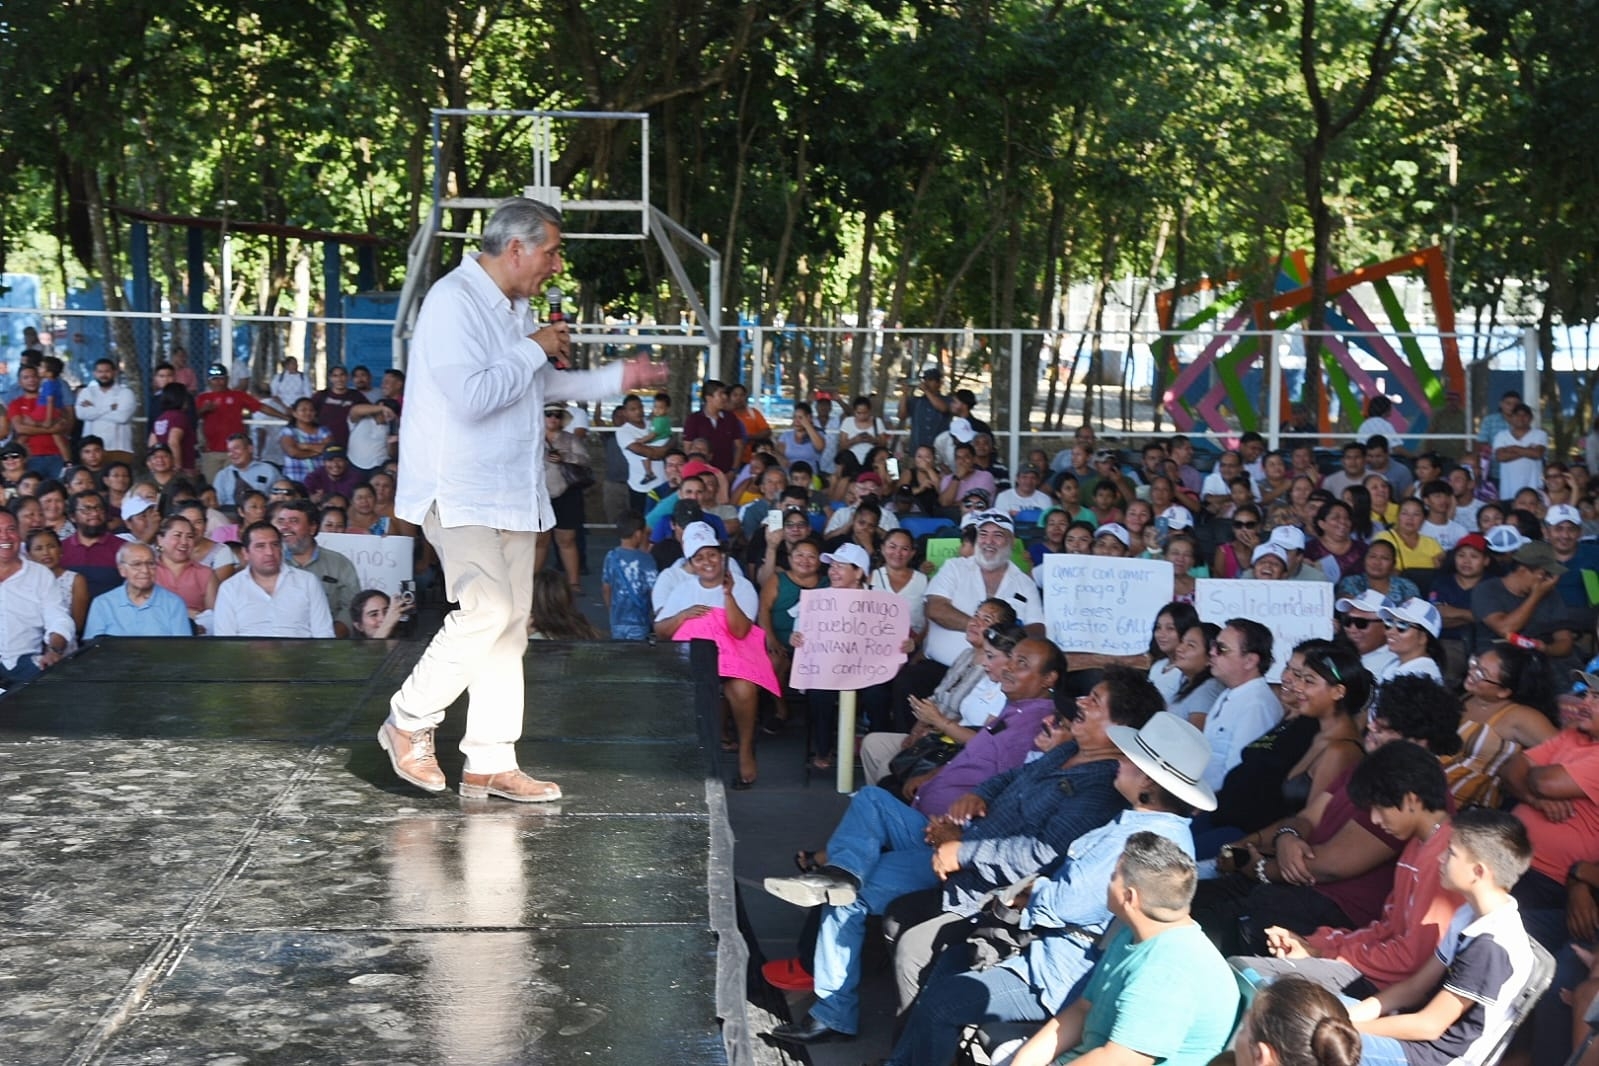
point(576, 475)
point(925, 755)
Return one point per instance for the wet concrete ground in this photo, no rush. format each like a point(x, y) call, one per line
point(206, 859)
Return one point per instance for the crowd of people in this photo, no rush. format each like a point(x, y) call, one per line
point(190, 533)
point(1075, 842)
point(1396, 821)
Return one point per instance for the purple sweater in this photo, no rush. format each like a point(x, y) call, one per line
point(995, 748)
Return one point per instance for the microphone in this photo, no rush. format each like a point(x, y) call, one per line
point(554, 296)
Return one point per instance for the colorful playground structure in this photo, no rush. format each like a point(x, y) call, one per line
point(1220, 389)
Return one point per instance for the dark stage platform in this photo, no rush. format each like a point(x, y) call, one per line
point(207, 860)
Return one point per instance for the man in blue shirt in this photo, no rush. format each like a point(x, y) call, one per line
point(927, 415)
point(138, 607)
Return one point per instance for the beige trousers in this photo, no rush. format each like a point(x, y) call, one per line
point(489, 573)
point(877, 751)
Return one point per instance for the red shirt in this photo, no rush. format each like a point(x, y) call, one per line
point(222, 415)
point(38, 443)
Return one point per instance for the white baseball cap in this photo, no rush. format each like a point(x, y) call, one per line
point(1371, 601)
point(133, 505)
point(1178, 517)
point(1505, 539)
point(696, 537)
point(961, 429)
point(1117, 530)
point(1562, 512)
point(1268, 548)
point(1288, 538)
point(852, 553)
point(1417, 612)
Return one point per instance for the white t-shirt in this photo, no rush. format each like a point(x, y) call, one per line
point(961, 582)
point(684, 594)
point(1420, 667)
point(1010, 501)
point(1448, 534)
point(627, 434)
point(914, 594)
point(1216, 485)
point(1372, 427)
point(369, 442)
point(1518, 474)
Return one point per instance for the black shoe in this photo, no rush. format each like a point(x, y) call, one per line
point(807, 1031)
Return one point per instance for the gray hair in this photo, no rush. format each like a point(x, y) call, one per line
point(518, 219)
point(127, 549)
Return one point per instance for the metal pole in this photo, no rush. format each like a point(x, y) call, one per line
point(757, 364)
point(846, 742)
point(227, 297)
point(1529, 368)
point(1274, 399)
point(1015, 452)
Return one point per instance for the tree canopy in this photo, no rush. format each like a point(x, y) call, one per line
point(945, 161)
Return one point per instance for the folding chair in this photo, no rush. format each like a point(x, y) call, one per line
point(1543, 974)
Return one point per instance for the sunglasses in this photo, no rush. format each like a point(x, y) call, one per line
point(1356, 623)
point(1245, 525)
point(1399, 627)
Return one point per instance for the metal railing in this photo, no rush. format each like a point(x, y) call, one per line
point(1118, 368)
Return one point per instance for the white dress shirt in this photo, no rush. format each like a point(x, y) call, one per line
point(297, 608)
point(1239, 718)
point(30, 610)
point(474, 408)
point(108, 413)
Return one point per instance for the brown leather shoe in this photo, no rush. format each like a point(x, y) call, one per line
point(513, 785)
point(412, 757)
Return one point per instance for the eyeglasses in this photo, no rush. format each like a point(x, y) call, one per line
point(1474, 668)
point(1220, 648)
point(1352, 622)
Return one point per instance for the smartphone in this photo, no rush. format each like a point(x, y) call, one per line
point(774, 520)
point(1162, 527)
point(893, 468)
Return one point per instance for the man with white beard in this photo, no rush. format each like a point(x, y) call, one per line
point(963, 583)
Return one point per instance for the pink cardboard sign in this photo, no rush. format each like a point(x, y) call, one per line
point(852, 639)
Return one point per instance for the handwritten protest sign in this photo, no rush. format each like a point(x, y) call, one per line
point(380, 562)
point(852, 639)
point(1102, 604)
point(1292, 610)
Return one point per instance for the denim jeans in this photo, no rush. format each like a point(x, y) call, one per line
point(955, 997)
point(876, 820)
point(1381, 1051)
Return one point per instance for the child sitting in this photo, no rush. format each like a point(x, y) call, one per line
point(1458, 1006)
